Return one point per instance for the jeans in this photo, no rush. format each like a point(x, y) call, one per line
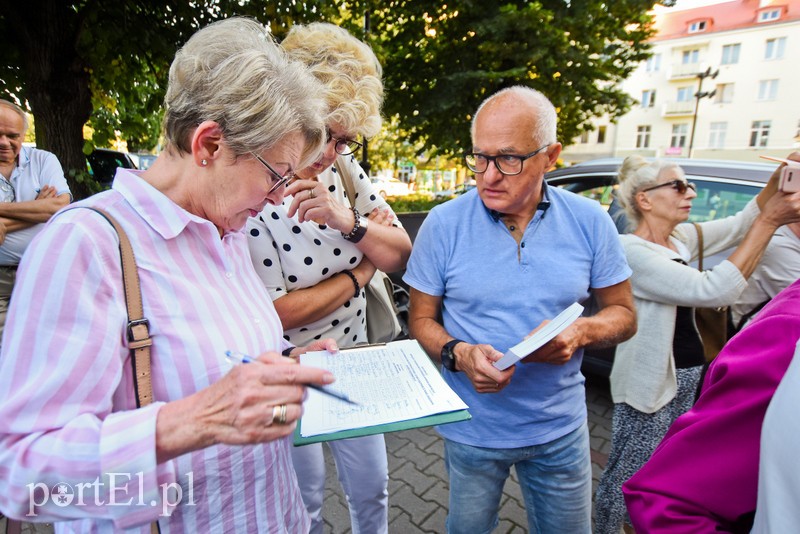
point(364, 474)
point(555, 478)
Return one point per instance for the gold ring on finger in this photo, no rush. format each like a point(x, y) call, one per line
point(279, 414)
point(311, 193)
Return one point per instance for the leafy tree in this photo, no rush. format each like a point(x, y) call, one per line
point(106, 63)
point(440, 61)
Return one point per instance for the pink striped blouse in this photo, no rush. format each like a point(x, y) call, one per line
point(72, 445)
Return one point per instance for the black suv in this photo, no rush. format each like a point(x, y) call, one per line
point(103, 163)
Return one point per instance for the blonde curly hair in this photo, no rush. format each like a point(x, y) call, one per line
point(347, 68)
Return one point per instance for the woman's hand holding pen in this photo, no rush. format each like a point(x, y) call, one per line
point(250, 404)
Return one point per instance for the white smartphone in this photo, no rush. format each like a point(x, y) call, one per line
point(789, 181)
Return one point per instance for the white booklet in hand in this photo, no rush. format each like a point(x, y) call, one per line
point(540, 337)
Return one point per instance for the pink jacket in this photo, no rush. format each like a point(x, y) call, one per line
point(703, 477)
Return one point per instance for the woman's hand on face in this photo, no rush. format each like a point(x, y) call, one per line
point(313, 202)
point(246, 405)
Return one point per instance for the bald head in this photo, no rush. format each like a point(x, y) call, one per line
point(538, 110)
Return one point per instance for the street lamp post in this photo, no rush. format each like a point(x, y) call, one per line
point(698, 95)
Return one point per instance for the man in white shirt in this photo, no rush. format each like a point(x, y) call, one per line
point(32, 189)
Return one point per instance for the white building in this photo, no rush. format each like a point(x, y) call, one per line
point(740, 57)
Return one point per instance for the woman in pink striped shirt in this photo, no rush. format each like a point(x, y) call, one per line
point(212, 453)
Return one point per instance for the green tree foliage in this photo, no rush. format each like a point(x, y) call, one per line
point(106, 64)
point(441, 60)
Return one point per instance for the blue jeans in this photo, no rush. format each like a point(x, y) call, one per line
point(555, 478)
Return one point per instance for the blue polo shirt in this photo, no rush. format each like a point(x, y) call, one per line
point(495, 292)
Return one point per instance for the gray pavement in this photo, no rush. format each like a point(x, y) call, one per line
point(418, 481)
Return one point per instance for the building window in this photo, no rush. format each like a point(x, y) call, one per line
point(775, 48)
point(685, 94)
point(767, 90)
point(689, 57)
point(601, 135)
point(724, 93)
point(730, 54)
point(769, 15)
point(716, 136)
point(653, 63)
point(648, 98)
point(584, 138)
point(759, 133)
point(698, 26)
point(678, 138)
point(643, 136)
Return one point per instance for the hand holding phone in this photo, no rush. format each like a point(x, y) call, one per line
point(789, 181)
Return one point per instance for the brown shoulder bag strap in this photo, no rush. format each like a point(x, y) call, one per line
point(138, 328)
point(699, 245)
point(347, 180)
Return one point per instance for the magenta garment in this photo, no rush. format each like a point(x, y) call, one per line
point(67, 405)
point(704, 474)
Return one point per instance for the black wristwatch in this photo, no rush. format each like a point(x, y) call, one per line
point(359, 228)
point(448, 356)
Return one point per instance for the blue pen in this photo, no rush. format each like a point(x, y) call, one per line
point(238, 357)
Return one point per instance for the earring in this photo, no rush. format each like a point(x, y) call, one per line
point(203, 163)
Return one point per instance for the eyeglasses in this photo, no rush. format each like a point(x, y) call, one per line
point(678, 185)
point(508, 164)
point(276, 177)
point(343, 146)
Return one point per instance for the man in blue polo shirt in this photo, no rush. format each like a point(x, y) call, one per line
point(489, 267)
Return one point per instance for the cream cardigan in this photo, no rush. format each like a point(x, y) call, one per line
point(643, 375)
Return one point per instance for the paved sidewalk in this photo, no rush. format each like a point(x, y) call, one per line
point(418, 481)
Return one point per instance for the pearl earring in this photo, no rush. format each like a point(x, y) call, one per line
point(204, 163)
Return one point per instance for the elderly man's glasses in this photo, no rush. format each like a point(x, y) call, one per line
point(343, 146)
point(508, 164)
point(678, 185)
point(277, 179)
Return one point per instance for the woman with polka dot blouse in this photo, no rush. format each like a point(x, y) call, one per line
point(315, 254)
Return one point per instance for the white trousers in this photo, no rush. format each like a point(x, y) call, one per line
point(363, 473)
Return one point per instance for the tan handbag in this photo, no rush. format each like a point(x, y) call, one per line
point(382, 323)
point(712, 323)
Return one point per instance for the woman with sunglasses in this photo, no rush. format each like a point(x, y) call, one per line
point(315, 253)
point(656, 372)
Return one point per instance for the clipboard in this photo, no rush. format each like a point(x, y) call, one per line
point(430, 420)
point(404, 363)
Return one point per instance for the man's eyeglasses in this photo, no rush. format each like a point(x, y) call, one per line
point(277, 179)
point(508, 164)
point(343, 146)
point(678, 185)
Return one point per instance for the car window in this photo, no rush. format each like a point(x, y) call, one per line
point(602, 194)
point(716, 200)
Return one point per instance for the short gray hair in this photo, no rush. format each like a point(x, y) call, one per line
point(538, 104)
point(19, 111)
point(233, 73)
point(635, 174)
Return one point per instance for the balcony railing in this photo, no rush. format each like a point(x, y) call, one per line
point(676, 109)
point(681, 71)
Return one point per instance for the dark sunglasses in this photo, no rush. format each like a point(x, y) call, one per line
point(678, 185)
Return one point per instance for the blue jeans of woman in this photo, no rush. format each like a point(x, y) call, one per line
point(555, 479)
